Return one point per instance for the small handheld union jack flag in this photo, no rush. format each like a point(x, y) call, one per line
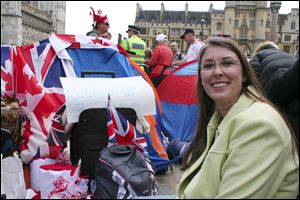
point(121, 131)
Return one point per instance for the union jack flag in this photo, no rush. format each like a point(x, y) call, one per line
point(121, 131)
point(34, 76)
point(40, 100)
point(56, 135)
point(33, 72)
point(6, 70)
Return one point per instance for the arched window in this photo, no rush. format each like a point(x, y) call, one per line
point(293, 25)
point(268, 23)
point(236, 23)
point(154, 32)
point(229, 20)
point(251, 23)
point(219, 26)
point(287, 37)
point(243, 32)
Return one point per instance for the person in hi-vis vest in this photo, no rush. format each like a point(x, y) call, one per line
point(135, 46)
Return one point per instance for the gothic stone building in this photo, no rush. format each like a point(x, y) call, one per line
point(24, 22)
point(248, 22)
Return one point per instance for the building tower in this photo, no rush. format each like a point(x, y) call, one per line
point(260, 20)
point(57, 10)
point(275, 6)
point(229, 17)
point(11, 19)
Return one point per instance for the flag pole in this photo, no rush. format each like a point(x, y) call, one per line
point(108, 99)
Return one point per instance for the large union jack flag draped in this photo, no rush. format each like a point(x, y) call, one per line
point(121, 131)
point(32, 74)
point(40, 98)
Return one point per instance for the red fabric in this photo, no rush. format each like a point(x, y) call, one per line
point(162, 55)
point(179, 93)
point(98, 17)
point(67, 37)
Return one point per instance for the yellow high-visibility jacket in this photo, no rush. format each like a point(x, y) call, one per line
point(137, 46)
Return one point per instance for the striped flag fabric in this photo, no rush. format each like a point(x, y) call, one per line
point(122, 132)
point(7, 70)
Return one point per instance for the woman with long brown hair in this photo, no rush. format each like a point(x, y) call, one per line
point(243, 147)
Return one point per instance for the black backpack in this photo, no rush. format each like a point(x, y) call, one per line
point(122, 172)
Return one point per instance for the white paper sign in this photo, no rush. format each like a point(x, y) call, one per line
point(129, 92)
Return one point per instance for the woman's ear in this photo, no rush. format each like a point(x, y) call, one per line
point(244, 79)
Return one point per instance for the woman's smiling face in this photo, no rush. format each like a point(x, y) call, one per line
point(222, 76)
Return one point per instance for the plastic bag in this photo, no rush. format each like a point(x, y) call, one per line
point(36, 180)
point(57, 181)
point(12, 177)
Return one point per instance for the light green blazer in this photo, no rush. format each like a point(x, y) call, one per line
point(248, 155)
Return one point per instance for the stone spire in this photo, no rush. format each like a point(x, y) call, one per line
point(210, 8)
point(186, 8)
point(162, 10)
point(186, 12)
point(275, 6)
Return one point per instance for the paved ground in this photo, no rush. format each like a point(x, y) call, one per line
point(167, 183)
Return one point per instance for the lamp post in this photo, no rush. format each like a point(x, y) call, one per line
point(202, 23)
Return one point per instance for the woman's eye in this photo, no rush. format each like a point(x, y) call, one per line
point(227, 63)
point(208, 66)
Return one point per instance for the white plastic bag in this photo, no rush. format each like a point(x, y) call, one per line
point(57, 181)
point(12, 177)
point(36, 177)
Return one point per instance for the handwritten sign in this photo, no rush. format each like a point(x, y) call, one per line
point(129, 92)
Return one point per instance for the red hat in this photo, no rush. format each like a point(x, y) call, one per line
point(98, 18)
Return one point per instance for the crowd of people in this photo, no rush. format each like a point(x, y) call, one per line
point(246, 142)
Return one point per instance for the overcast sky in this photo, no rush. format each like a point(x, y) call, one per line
point(122, 13)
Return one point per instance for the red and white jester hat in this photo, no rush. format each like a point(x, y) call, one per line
point(98, 18)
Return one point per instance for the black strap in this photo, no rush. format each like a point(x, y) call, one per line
point(151, 69)
point(162, 71)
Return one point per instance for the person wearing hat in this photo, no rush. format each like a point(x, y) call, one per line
point(100, 25)
point(135, 46)
point(161, 60)
point(194, 49)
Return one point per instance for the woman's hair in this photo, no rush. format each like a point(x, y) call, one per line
point(207, 107)
point(265, 45)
